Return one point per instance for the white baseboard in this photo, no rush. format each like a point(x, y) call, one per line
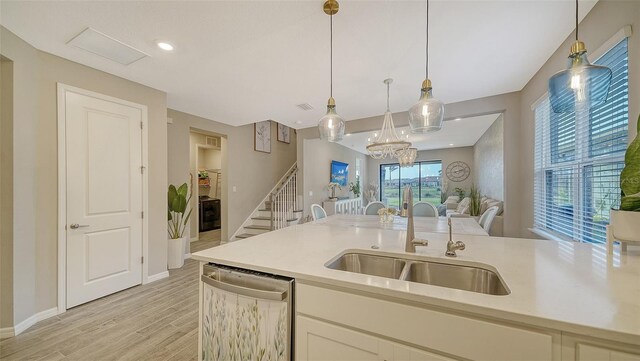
point(24, 325)
point(157, 276)
point(193, 239)
point(186, 256)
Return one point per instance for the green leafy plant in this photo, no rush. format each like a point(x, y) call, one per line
point(178, 205)
point(461, 193)
point(355, 187)
point(630, 176)
point(474, 201)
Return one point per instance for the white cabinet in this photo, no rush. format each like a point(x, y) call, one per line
point(580, 348)
point(429, 329)
point(405, 353)
point(317, 340)
point(594, 353)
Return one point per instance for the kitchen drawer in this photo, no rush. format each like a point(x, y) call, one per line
point(440, 331)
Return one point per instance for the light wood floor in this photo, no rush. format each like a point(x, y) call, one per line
point(157, 321)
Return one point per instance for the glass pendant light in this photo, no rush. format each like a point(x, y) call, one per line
point(582, 85)
point(386, 143)
point(427, 114)
point(331, 125)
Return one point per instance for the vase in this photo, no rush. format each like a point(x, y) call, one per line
point(625, 224)
point(175, 252)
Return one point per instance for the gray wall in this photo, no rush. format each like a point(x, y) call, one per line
point(602, 22)
point(6, 196)
point(447, 156)
point(253, 173)
point(318, 155)
point(488, 160)
point(35, 189)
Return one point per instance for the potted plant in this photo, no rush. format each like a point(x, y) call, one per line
point(355, 187)
point(625, 221)
point(474, 201)
point(460, 192)
point(332, 187)
point(178, 205)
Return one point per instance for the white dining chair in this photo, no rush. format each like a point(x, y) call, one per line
point(317, 212)
point(486, 220)
point(425, 209)
point(373, 208)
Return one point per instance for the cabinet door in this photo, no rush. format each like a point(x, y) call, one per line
point(594, 353)
point(405, 353)
point(317, 340)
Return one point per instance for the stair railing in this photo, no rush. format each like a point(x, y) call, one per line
point(284, 201)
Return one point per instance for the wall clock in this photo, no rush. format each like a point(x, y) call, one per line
point(458, 171)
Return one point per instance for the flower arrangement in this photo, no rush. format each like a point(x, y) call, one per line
point(355, 187)
point(387, 214)
point(371, 193)
point(332, 187)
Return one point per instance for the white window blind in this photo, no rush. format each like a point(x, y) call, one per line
point(579, 157)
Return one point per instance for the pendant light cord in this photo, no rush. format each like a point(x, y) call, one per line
point(576, 20)
point(331, 61)
point(426, 54)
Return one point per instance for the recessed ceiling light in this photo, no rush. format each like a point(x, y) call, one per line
point(451, 144)
point(458, 119)
point(164, 45)
point(348, 135)
point(298, 121)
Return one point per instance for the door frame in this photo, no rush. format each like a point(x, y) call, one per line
point(62, 185)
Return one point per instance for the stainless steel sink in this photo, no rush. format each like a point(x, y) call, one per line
point(458, 276)
point(369, 264)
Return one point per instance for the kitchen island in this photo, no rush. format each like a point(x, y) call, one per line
point(566, 301)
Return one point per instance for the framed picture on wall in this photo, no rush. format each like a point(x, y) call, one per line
point(284, 134)
point(262, 136)
point(339, 173)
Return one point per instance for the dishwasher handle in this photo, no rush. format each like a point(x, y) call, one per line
point(245, 291)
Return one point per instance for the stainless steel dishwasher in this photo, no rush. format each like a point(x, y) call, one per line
point(246, 315)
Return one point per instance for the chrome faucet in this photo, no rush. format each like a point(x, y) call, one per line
point(452, 247)
point(407, 208)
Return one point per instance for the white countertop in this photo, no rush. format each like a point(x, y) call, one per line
point(460, 225)
point(559, 285)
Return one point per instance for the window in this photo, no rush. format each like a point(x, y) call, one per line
point(578, 160)
point(424, 178)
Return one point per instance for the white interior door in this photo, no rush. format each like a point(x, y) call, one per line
point(104, 197)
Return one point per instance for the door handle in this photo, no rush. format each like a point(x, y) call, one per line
point(76, 225)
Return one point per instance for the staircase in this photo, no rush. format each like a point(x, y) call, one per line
point(279, 209)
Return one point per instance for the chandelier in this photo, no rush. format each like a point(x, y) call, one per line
point(387, 143)
point(406, 157)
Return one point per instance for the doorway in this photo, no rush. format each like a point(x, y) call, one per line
point(206, 152)
point(101, 195)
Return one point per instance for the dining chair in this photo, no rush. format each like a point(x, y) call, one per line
point(373, 208)
point(425, 209)
point(486, 220)
point(317, 212)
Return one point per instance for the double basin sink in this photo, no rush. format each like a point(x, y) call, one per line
point(462, 277)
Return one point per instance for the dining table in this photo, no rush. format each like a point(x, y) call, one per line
point(459, 225)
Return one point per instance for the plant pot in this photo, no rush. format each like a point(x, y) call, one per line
point(175, 252)
point(625, 224)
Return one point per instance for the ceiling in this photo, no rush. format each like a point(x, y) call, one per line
point(459, 132)
point(239, 62)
